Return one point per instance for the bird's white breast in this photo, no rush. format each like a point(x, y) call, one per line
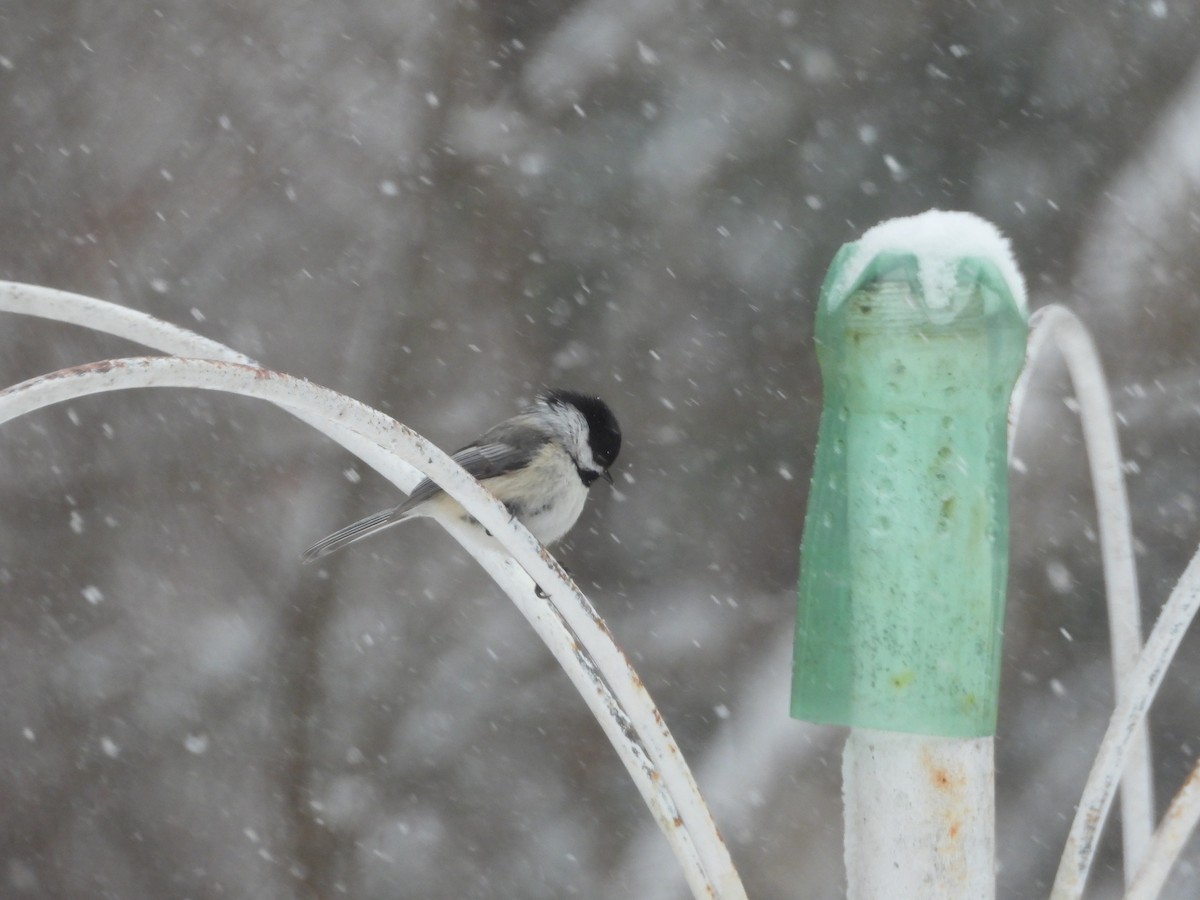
point(550, 493)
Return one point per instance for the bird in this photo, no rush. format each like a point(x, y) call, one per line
point(540, 464)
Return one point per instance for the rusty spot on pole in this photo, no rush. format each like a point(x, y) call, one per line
point(98, 368)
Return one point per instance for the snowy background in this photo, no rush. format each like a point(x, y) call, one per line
point(438, 208)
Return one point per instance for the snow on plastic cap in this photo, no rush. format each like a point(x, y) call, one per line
point(939, 240)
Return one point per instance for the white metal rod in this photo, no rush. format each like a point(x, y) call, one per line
point(1060, 325)
point(1142, 685)
point(111, 318)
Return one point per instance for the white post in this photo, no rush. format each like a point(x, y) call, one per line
point(920, 816)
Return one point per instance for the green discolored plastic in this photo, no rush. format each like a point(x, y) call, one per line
point(905, 551)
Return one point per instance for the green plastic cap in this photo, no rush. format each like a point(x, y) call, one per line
point(905, 551)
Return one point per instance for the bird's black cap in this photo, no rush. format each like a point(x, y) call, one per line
point(604, 434)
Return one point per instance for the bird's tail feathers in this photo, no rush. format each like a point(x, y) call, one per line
point(354, 532)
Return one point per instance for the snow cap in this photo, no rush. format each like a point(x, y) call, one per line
point(939, 240)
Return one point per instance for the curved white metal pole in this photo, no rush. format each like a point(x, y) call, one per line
point(590, 629)
point(147, 331)
point(110, 318)
point(707, 876)
point(1111, 760)
point(1060, 325)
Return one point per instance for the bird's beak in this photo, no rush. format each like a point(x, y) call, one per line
point(607, 476)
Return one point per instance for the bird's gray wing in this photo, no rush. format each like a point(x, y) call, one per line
point(492, 455)
point(502, 449)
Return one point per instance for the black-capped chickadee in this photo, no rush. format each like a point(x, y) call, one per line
point(540, 464)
